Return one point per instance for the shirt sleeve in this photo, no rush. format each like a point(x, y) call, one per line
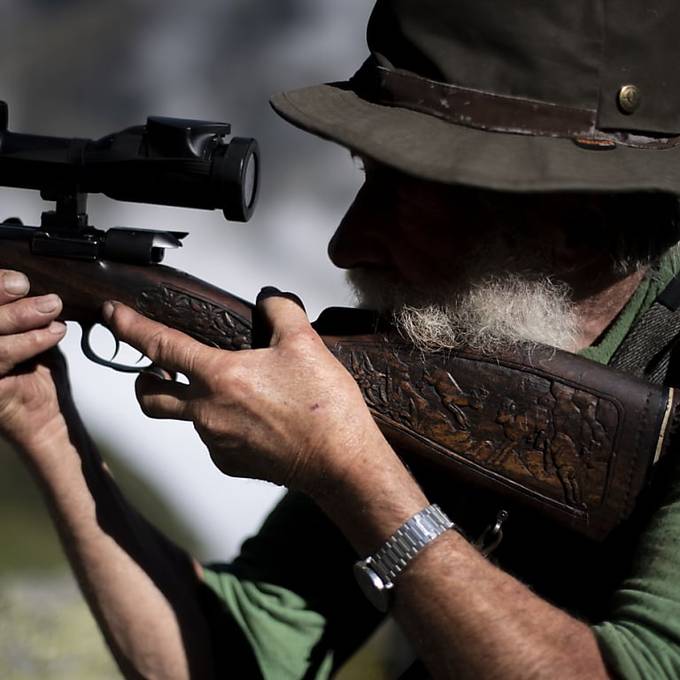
point(641, 638)
point(289, 599)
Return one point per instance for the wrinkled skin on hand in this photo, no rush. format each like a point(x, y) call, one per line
point(32, 373)
point(290, 413)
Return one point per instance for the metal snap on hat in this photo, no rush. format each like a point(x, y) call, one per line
point(523, 96)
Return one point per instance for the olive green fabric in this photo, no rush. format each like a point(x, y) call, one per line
point(292, 593)
point(293, 598)
point(640, 640)
point(657, 279)
point(568, 55)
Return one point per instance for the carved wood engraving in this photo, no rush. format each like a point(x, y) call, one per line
point(549, 437)
point(202, 319)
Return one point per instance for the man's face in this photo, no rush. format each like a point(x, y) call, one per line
point(424, 233)
point(495, 268)
point(413, 230)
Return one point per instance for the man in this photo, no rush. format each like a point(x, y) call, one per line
point(547, 102)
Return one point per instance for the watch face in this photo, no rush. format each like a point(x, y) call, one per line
point(372, 586)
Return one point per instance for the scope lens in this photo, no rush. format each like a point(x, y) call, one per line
point(237, 178)
point(250, 180)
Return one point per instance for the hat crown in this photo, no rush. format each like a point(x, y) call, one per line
point(577, 54)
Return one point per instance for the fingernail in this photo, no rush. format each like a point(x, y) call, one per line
point(294, 298)
point(271, 291)
point(15, 283)
point(48, 303)
point(267, 292)
point(108, 308)
point(57, 328)
point(157, 372)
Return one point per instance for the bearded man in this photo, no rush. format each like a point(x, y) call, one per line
point(520, 188)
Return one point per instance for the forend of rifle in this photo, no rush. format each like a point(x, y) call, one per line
point(169, 295)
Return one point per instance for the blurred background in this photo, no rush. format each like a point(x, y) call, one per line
point(85, 68)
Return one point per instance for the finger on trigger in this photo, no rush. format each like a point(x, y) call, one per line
point(167, 347)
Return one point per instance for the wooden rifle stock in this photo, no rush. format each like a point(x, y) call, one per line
point(540, 428)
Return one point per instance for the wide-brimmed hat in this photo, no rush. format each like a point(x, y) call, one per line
point(512, 95)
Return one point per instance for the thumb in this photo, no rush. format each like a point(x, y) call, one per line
point(277, 315)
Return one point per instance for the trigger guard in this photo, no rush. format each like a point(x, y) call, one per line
point(95, 358)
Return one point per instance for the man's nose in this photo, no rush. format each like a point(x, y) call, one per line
point(362, 238)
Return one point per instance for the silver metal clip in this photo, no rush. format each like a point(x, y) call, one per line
point(492, 536)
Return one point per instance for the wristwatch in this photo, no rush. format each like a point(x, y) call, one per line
point(376, 574)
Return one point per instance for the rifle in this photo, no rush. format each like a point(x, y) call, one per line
point(539, 428)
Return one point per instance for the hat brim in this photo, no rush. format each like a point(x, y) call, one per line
point(433, 149)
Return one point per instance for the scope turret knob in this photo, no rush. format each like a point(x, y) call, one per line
point(181, 137)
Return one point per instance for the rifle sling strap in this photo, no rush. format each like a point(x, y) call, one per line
point(647, 349)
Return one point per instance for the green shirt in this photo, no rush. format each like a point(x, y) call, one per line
point(603, 350)
point(288, 607)
point(292, 593)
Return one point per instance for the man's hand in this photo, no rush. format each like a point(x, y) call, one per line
point(29, 406)
point(289, 414)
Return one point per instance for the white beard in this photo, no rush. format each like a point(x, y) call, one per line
point(488, 312)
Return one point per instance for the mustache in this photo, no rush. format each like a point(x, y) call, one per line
point(383, 290)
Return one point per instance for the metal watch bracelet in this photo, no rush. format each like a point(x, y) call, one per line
point(377, 573)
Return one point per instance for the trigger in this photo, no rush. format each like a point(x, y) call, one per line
point(116, 349)
point(94, 357)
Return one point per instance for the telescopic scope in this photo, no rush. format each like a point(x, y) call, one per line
point(169, 161)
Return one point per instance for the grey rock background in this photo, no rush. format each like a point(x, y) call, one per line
point(46, 631)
